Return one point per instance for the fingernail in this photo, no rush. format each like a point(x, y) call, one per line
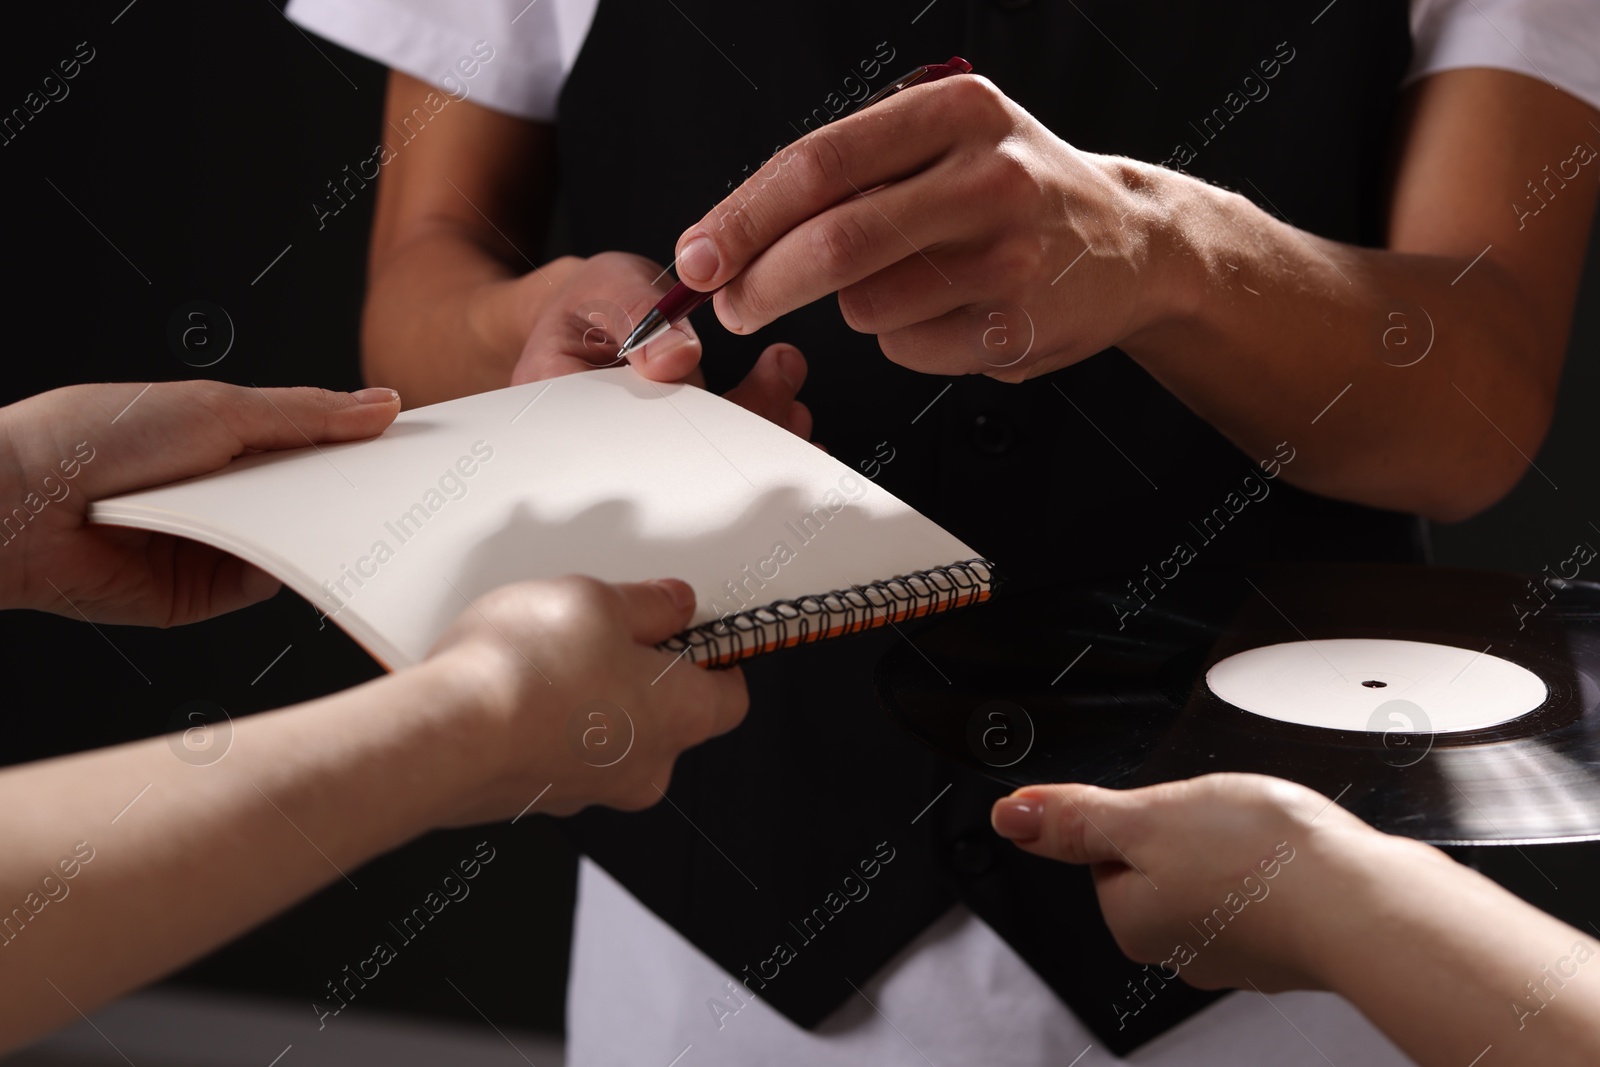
point(376, 395)
point(1018, 818)
point(679, 592)
point(670, 341)
point(698, 261)
point(792, 365)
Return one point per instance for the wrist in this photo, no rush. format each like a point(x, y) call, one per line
point(471, 694)
point(1178, 217)
point(1355, 907)
point(395, 758)
point(501, 313)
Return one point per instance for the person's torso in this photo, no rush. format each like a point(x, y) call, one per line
point(1091, 470)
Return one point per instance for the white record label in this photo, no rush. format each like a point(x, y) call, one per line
point(1378, 685)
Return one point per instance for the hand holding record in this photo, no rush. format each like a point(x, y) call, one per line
point(1249, 882)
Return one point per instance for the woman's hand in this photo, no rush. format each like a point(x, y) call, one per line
point(583, 325)
point(544, 697)
point(1229, 880)
point(1240, 881)
point(61, 450)
point(944, 218)
point(575, 696)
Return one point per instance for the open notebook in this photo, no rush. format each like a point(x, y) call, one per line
point(601, 473)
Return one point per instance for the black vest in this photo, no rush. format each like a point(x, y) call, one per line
point(762, 862)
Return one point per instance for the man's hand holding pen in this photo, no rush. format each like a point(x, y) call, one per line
point(932, 213)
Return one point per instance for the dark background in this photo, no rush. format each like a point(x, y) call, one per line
point(183, 161)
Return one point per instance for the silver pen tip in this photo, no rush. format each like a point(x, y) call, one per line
point(653, 325)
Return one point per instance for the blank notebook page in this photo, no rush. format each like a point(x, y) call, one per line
point(600, 473)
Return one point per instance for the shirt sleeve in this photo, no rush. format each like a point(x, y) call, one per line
point(1556, 41)
point(509, 55)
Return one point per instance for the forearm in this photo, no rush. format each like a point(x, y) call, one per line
point(1271, 334)
point(182, 857)
point(1453, 968)
point(444, 317)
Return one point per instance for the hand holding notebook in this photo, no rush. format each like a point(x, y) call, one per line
point(475, 733)
point(601, 473)
point(61, 450)
point(598, 684)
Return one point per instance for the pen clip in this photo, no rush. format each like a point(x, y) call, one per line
point(931, 72)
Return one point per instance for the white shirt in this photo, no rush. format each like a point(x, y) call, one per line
point(639, 993)
point(536, 42)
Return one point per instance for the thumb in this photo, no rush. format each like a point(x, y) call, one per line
point(657, 610)
point(249, 417)
point(589, 334)
point(1071, 823)
point(180, 429)
point(672, 357)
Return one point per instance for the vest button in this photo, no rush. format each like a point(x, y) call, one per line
point(992, 435)
point(971, 857)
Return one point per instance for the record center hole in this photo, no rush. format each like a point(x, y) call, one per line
point(1373, 683)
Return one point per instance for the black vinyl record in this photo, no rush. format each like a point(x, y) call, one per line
point(1096, 684)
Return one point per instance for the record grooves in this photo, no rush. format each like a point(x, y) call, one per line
point(1042, 686)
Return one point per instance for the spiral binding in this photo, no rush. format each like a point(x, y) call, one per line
point(785, 623)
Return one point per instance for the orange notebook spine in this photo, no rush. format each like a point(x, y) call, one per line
point(786, 623)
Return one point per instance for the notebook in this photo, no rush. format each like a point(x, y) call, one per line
point(601, 473)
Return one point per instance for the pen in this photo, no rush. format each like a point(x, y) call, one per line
point(681, 300)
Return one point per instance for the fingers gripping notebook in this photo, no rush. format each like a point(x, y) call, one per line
point(601, 473)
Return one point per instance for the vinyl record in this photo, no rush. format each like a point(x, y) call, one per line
point(1452, 706)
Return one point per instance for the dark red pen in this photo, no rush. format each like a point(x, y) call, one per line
point(681, 300)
